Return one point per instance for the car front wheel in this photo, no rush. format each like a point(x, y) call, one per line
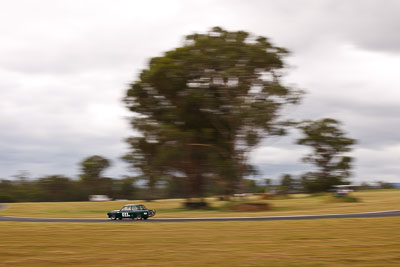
point(113, 217)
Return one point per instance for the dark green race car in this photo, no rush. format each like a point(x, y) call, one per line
point(131, 211)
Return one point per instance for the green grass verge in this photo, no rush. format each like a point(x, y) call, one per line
point(333, 242)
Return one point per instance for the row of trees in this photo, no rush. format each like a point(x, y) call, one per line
point(92, 182)
point(61, 188)
point(327, 141)
point(200, 109)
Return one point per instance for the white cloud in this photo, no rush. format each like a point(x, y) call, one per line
point(277, 155)
point(378, 164)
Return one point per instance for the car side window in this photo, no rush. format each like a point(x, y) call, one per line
point(126, 209)
point(134, 208)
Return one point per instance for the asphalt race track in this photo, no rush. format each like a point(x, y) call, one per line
point(391, 213)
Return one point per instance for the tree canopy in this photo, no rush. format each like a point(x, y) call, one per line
point(92, 168)
point(328, 143)
point(201, 107)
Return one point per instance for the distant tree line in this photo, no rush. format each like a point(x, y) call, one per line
point(61, 188)
point(91, 181)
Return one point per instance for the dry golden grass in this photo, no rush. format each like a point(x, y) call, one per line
point(333, 242)
point(170, 208)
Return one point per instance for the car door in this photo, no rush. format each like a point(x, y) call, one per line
point(126, 212)
point(134, 211)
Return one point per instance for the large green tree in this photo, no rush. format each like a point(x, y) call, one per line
point(329, 145)
point(200, 108)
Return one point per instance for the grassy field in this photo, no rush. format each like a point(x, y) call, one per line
point(333, 242)
point(322, 242)
point(170, 208)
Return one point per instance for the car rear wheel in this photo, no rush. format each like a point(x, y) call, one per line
point(138, 217)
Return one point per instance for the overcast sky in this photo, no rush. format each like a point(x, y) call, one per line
point(65, 66)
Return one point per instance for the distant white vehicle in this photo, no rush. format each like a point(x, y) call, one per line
point(343, 190)
point(99, 198)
